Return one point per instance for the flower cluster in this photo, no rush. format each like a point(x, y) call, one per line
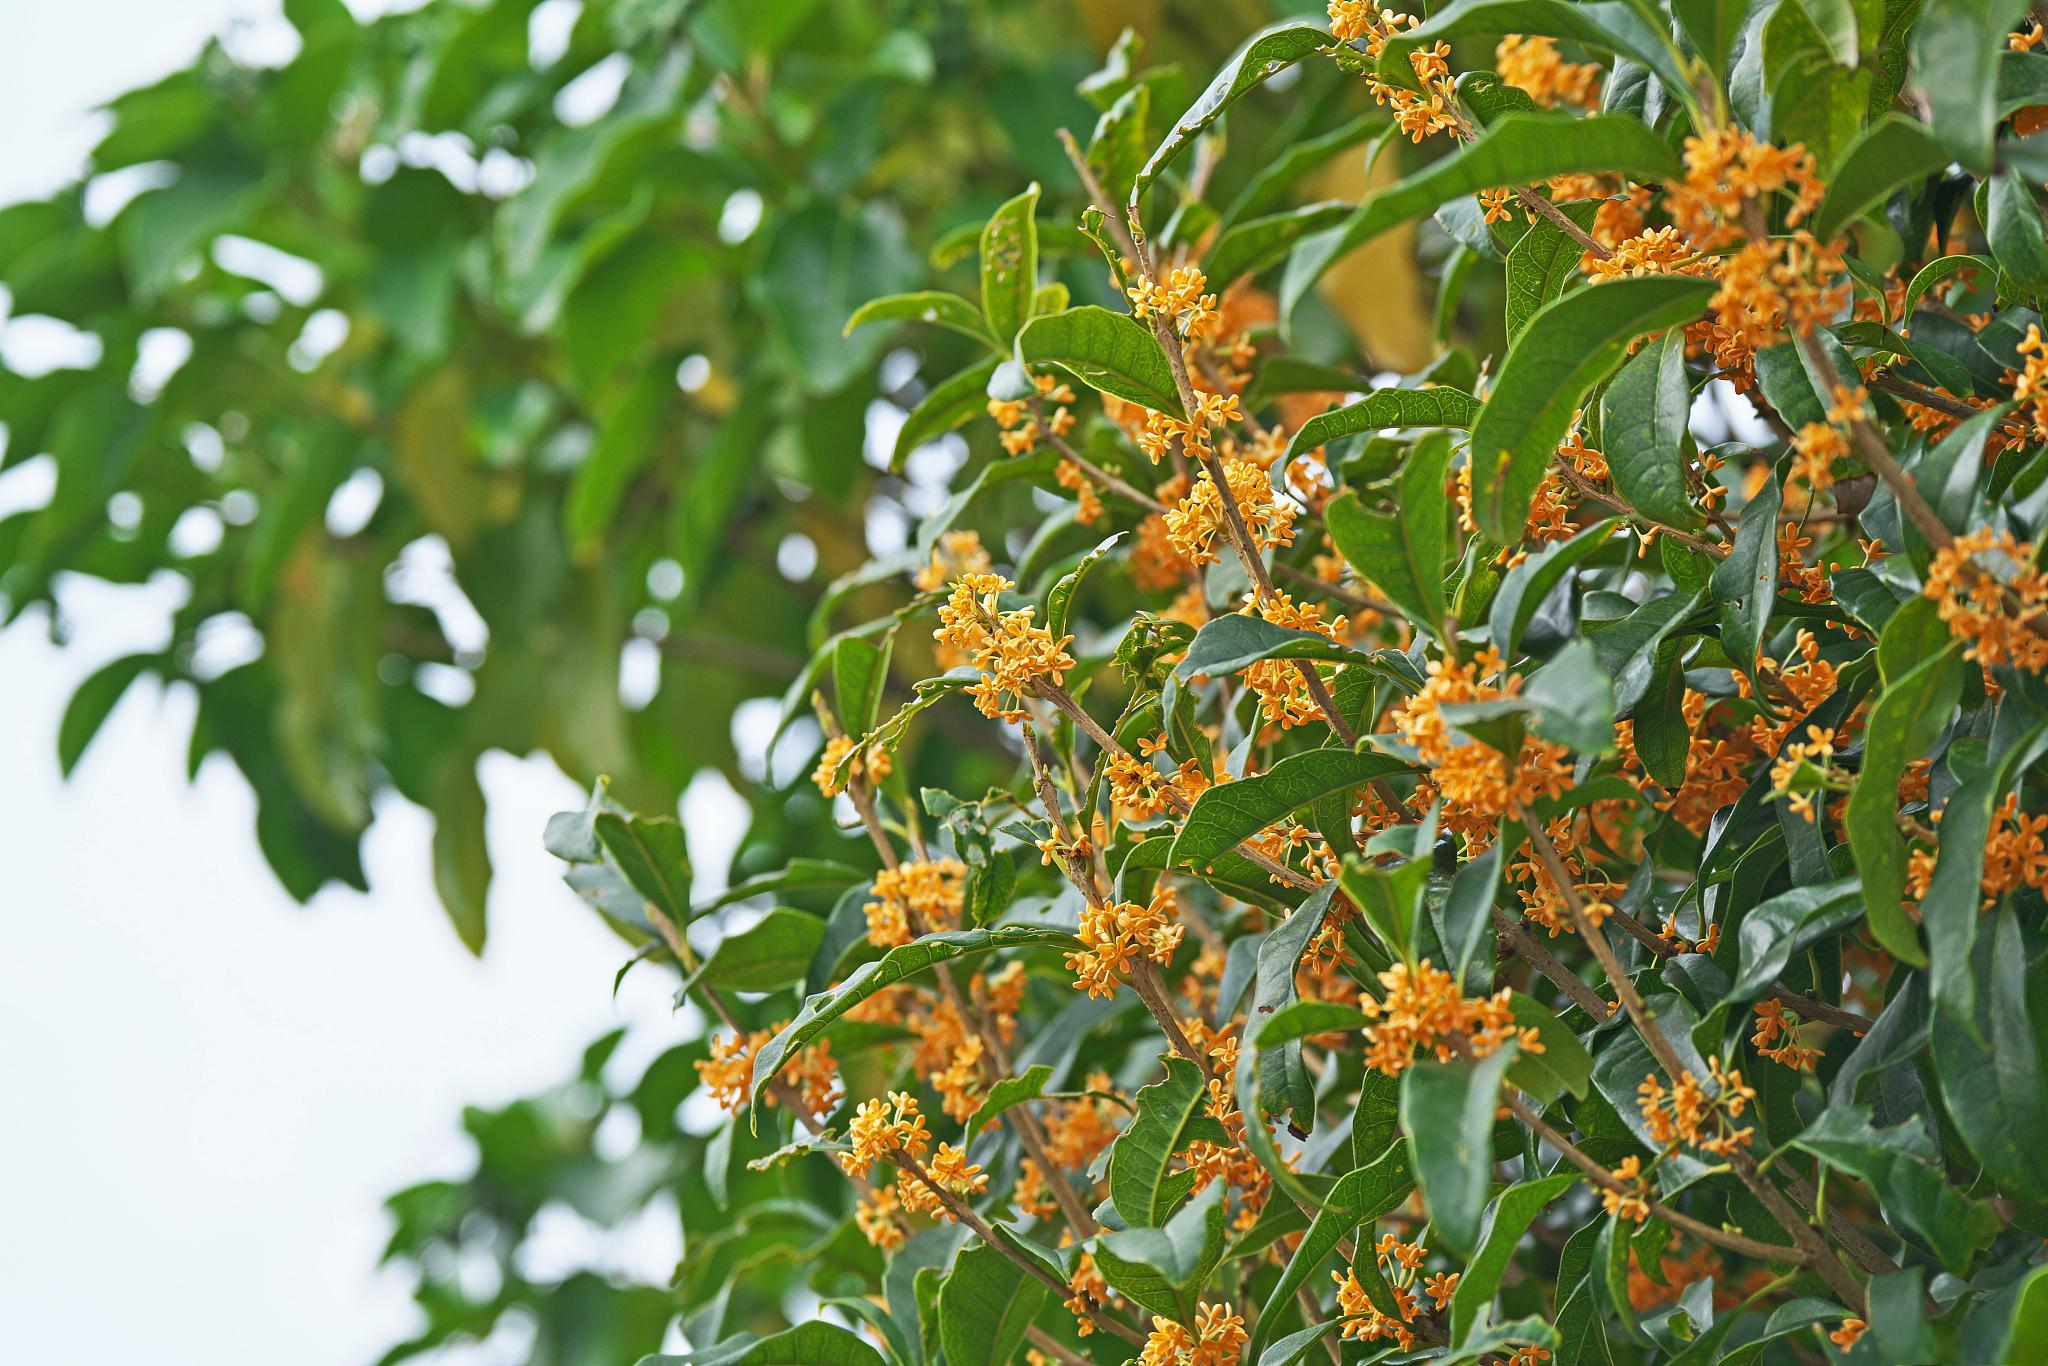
point(914, 898)
point(1688, 1113)
point(728, 1074)
point(1399, 1265)
point(1216, 1339)
point(2005, 619)
point(844, 762)
point(1475, 780)
point(1194, 525)
point(1423, 1011)
point(1776, 1037)
point(1183, 301)
point(1534, 65)
point(1114, 936)
point(1014, 656)
point(2015, 856)
point(1433, 109)
point(880, 1128)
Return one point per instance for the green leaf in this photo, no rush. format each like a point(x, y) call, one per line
point(2026, 1335)
point(1004, 1095)
point(1305, 1019)
point(1607, 25)
point(770, 954)
point(1269, 52)
point(462, 857)
point(1772, 932)
point(650, 853)
point(1952, 908)
point(2019, 241)
point(1009, 265)
point(1643, 431)
point(860, 672)
point(816, 1343)
point(1746, 583)
point(1893, 152)
point(1905, 721)
point(1572, 700)
point(1563, 1065)
point(1359, 1195)
point(1382, 409)
point(1902, 1164)
point(819, 264)
point(1282, 1078)
point(1518, 149)
point(1466, 915)
point(1227, 814)
point(1170, 1114)
point(1956, 47)
point(1506, 1220)
point(1228, 643)
point(1544, 263)
point(952, 402)
point(1060, 600)
point(1164, 1269)
point(93, 702)
point(1252, 246)
point(1107, 351)
point(1400, 547)
point(933, 306)
point(903, 961)
point(1447, 1111)
point(986, 1305)
point(1712, 25)
point(1118, 147)
point(1524, 588)
point(1568, 348)
point(1390, 899)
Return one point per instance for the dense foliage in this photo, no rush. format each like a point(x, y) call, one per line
point(1517, 852)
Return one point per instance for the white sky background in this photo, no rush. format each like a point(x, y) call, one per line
point(209, 1090)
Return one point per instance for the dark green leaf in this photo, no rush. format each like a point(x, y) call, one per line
point(952, 402)
point(1400, 549)
point(1507, 1219)
point(1544, 263)
point(1643, 432)
point(1447, 1110)
point(1230, 813)
point(1746, 583)
point(1439, 406)
point(1009, 265)
point(1956, 47)
point(1170, 1114)
point(1108, 351)
point(1568, 348)
point(1893, 152)
point(1773, 932)
point(986, 1305)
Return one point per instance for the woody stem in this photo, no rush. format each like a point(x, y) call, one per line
point(964, 1212)
point(1810, 1240)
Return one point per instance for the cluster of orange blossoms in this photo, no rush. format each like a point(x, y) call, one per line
point(1687, 1114)
point(914, 898)
point(1473, 778)
point(1433, 109)
point(1777, 1038)
point(1115, 936)
point(1534, 66)
point(1423, 1010)
point(1196, 523)
point(1013, 655)
point(1399, 1264)
point(1215, 1340)
point(2015, 856)
point(2002, 618)
point(728, 1074)
point(1021, 432)
point(841, 764)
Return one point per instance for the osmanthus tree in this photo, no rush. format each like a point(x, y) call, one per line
point(1485, 870)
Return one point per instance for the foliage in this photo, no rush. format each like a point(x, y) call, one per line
point(1490, 862)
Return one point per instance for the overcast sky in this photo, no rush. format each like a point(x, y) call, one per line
point(209, 1090)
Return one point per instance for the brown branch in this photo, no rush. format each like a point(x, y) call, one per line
point(1031, 1266)
point(1820, 1256)
point(1738, 1243)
